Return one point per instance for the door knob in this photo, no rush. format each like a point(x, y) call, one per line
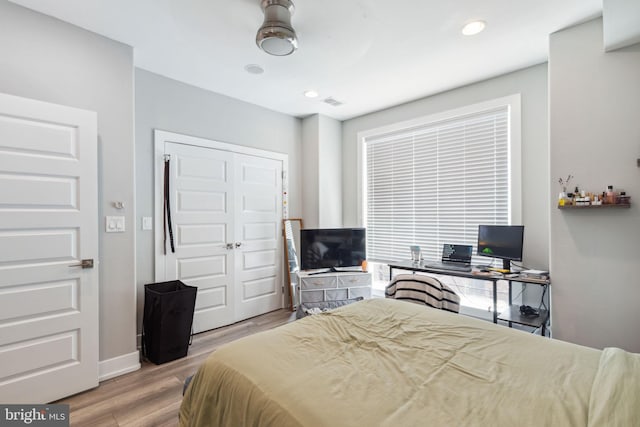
point(229, 246)
point(85, 263)
point(238, 244)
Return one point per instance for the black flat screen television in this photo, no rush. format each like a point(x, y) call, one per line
point(332, 247)
point(502, 242)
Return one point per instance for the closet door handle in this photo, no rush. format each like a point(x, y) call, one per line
point(238, 244)
point(229, 246)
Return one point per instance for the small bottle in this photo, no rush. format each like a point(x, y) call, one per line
point(611, 196)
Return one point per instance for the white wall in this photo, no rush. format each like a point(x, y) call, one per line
point(46, 59)
point(531, 83)
point(322, 173)
point(310, 172)
point(166, 104)
point(595, 136)
point(330, 173)
point(621, 23)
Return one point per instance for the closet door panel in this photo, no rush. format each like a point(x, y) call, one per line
point(202, 216)
point(258, 202)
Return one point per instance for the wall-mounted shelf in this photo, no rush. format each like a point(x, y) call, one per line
point(619, 206)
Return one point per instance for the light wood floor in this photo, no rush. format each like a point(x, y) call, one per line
point(151, 396)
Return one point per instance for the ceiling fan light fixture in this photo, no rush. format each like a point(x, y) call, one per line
point(276, 36)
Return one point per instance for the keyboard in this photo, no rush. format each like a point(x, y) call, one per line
point(450, 267)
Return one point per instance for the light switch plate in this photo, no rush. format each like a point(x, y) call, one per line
point(147, 223)
point(114, 224)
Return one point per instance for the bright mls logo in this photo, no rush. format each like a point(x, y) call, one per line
point(34, 415)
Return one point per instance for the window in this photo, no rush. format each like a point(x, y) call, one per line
point(433, 180)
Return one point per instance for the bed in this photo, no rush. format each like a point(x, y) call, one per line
point(383, 362)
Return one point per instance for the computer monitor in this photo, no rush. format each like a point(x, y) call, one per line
point(502, 242)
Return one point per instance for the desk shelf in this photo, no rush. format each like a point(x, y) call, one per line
point(513, 316)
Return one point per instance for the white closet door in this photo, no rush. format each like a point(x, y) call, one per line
point(202, 212)
point(226, 204)
point(48, 224)
point(258, 223)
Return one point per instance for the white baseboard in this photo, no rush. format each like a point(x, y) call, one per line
point(117, 366)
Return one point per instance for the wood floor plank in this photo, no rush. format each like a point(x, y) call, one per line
point(151, 404)
point(152, 395)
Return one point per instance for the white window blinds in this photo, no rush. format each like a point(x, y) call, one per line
point(435, 184)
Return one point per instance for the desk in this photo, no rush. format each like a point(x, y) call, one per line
point(512, 315)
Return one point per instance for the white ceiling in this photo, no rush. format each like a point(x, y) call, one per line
point(368, 54)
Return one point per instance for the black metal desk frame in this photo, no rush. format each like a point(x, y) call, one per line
point(510, 317)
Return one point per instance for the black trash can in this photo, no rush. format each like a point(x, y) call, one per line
point(167, 320)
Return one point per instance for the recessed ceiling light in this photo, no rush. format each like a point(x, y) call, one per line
point(254, 69)
point(311, 93)
point(473, 28)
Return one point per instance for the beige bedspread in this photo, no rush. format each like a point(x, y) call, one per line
point(391, 363)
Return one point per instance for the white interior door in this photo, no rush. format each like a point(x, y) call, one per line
point(202, 211)
point(258, 225)
point(48, 224)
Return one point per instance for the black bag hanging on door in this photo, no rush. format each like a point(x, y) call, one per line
point(167, 320)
